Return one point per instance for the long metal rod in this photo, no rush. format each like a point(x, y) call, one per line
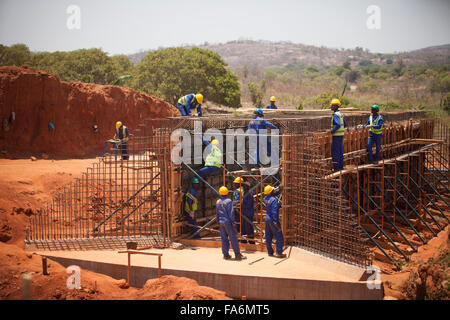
point(435, 191)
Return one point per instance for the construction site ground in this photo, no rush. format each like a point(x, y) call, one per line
point(27, 184)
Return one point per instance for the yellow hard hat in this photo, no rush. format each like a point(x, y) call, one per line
point(268, 189)
point(215, 142)
point(223, 191)
point(238, 180)
point(272, 98)
point(118, 124)
point(335, 101)
point(199, 98)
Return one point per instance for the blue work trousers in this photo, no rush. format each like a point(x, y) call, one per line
point(228, 233)
point(205, 172)
point(273, 231)
point(337, 152)
point(374, 139)
point(183, 110)
point(192, 221)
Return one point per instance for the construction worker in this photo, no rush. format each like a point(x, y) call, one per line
point(338, 124)
point(191, 205)
point(213, 161)
point(227, 225)
point(375, 125)
point(257, 124)
point(122, 134)
point(188, 102)
point(272, 103)
point(247, 207)
point(273, 226)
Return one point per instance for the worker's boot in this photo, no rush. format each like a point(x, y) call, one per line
point(281, 255)
point(240, 257)
point(226, 256)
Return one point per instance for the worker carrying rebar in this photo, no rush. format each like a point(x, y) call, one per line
point(227, 225)
point(272, 104)
point(188, 102)
point(213, 161)
point(375, 125)
point(338, 124)
point(191, 205)
point(257, 124)
point(247, 207)
point(273, 226)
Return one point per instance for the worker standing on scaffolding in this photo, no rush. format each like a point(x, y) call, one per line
point(188, 102)
point(272, 104)
point(247, 208)
point(273, 226)
point(375, 125)
point(191, 205)
point(227, 225)
point(338, 124)
point(213, 161)
point(255, 125)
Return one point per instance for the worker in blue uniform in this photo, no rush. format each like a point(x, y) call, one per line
point(247, 208)
point(338, 124)
point(272, 104)
point(375, 125)
point(273, 226)
point(227, 225)
point(213, 161)
point(254, 126)
point(188, 102)
point(191, 205)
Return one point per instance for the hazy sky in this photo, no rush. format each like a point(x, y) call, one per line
point(119, 26)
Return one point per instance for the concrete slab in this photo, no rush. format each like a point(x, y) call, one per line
point(304, 275)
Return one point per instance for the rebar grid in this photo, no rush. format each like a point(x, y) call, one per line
point(317, 216)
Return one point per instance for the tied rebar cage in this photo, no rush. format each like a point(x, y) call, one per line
point(121, 197)
point(317, 217)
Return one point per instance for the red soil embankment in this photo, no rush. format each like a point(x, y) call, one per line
point(37, 97)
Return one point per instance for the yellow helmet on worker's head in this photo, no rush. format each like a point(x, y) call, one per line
point(199, 98)
point(223, 191)
point(238, 180)
point(215, 142)
point(272, 98)
point(335, 101)
point(118, 124)
point(268, 189)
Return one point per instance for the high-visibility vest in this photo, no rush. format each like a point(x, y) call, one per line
point(124, 133)
point(214, 158)
point(194, 203)
point(183, 100)
point(340, 131)
point(375, 123)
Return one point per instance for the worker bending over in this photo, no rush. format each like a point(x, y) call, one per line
point(273, 226)
point(188, 102)
point(122, 135)
point(257, 124)
point(272, 103)
point(191, 206)
point(247, 207)
point(375, 125)
point(227, 225)
point(213, 161)
point(338, 124)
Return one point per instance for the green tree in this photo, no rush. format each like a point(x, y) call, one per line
point(173, 72)
point(441, 85)
point(16, 55)
point(255, 94)
point(346, 65)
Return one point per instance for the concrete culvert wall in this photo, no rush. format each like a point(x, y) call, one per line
point(37, 97)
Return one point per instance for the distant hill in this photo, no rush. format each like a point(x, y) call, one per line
point(265, 54)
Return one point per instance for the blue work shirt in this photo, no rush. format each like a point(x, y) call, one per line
point(194, 194)
point(270, 106)
point(224, 210)
point(259, 124)
point(271, 203)
point(191, 103)
point(337, 123)
point(248, 203)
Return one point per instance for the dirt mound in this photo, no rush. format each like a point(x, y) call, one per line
point(39, 100)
